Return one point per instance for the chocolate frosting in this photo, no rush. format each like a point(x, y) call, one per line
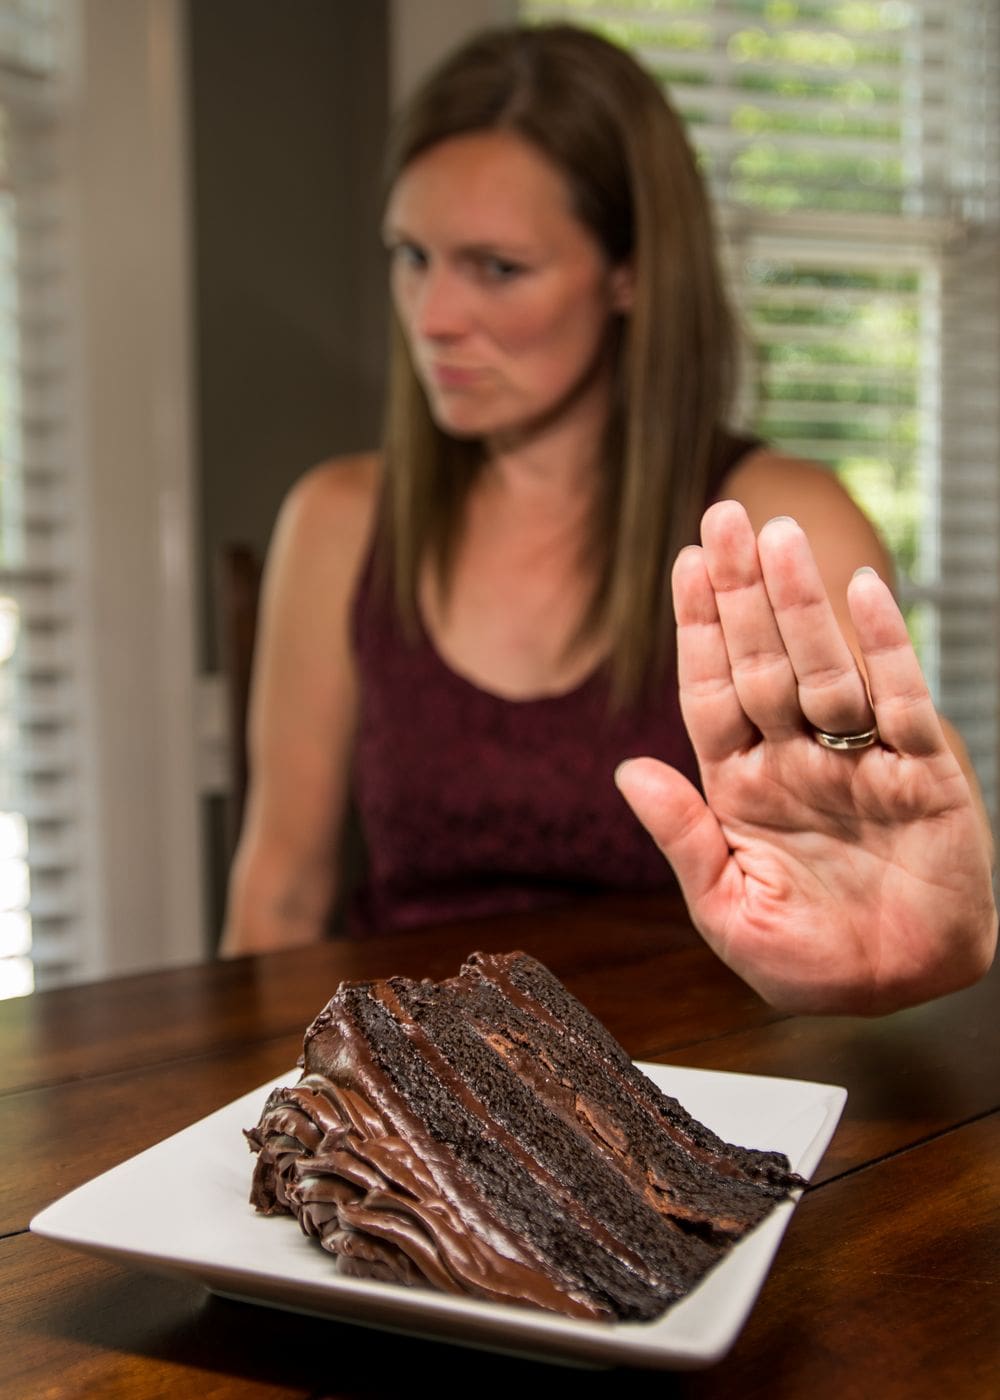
point(328, 1157)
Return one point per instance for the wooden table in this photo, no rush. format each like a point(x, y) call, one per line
point(887, 1284)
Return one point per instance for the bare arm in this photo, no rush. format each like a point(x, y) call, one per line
point(302, 713)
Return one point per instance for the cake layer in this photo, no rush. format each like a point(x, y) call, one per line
point(486, 1134)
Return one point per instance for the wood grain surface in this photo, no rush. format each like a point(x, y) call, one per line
point(887, 1284)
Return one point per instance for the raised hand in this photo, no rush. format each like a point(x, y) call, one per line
point(831, 881)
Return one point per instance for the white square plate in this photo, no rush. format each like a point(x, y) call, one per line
point(182, 1208)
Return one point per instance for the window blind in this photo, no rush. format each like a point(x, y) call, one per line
point(874, 106)
point(853, 151)
point(38, 796)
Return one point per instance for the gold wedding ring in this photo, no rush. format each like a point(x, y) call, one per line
point(846, 743)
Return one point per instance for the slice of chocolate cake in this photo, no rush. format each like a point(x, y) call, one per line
point(487, 1135)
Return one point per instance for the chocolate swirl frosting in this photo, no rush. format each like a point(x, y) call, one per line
point(326, 1156)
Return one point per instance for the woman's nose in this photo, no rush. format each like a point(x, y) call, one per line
point(441, 310)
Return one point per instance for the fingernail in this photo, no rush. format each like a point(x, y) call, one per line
point(620, 769)
point(779, 520)
point(865, 569)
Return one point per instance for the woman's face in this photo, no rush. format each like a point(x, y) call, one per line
point(505, 298)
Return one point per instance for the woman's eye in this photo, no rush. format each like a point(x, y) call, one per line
point(496, 269)
point(409, 256)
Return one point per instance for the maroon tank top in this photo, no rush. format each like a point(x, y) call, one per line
point(471, 804)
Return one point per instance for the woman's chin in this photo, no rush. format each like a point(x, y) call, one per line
point(464, 432)
point(460, 421)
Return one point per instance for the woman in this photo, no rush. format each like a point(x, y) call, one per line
point(474, 629)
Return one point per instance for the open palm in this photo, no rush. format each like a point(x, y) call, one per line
point(830, 881)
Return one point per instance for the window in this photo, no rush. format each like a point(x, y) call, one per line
point(853, 149)
point(37, 817)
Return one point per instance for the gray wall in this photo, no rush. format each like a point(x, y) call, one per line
point(288, 114)
point(288, 117)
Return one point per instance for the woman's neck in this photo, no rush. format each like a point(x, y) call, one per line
point(543, 474)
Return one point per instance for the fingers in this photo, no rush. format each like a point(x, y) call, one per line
point(831, 692)
point(675, 815)
point(789, 663)
point(907, 719)
point(762, 673)
point(715, 718)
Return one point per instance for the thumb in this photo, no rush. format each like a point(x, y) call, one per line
point(675, 814)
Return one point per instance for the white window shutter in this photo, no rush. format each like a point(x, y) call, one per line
point(39, 699)
point(968, 586)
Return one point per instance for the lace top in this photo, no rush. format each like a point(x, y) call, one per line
point(472, 804)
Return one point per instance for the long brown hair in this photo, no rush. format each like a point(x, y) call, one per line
point(605, 124)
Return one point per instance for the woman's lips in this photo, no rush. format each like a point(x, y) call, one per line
point(455, 376)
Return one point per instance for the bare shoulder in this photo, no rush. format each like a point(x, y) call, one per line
point(768, 483)
point(326, 521)
point(303, 674)
point(337, 497)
